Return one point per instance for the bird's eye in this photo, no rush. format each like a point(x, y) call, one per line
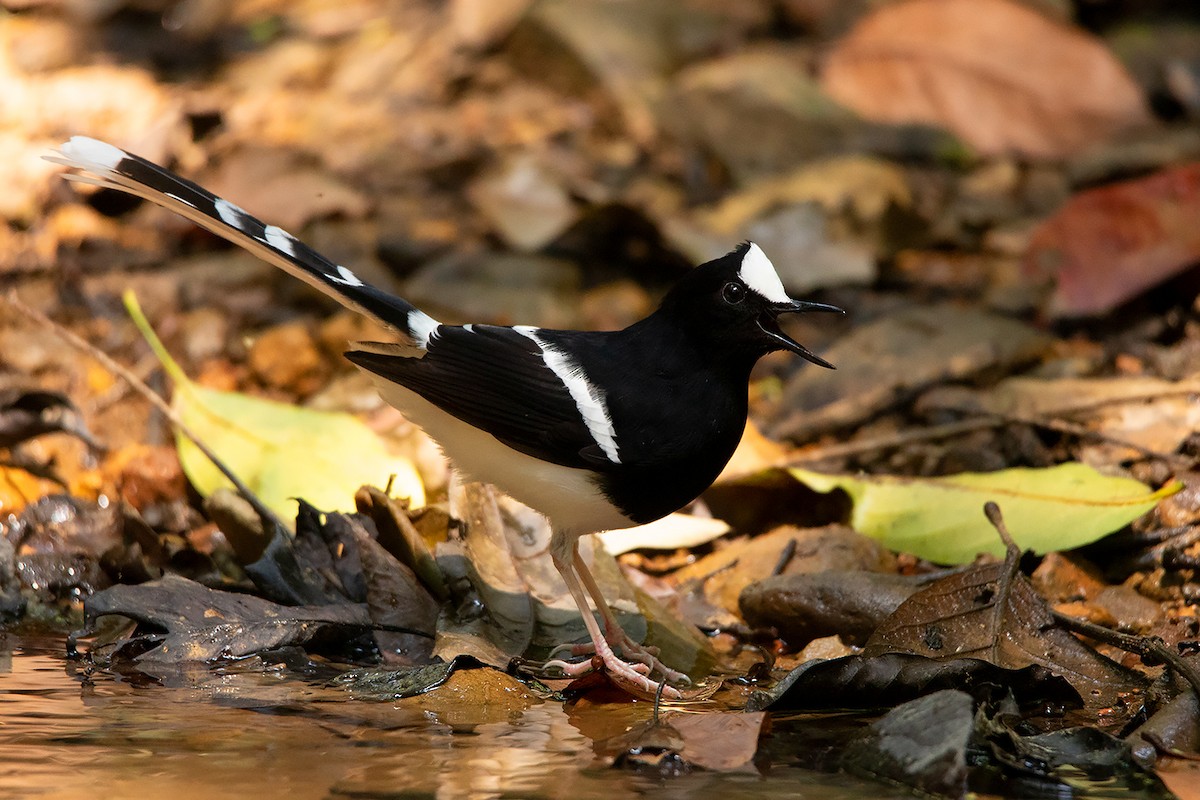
point(733, 293)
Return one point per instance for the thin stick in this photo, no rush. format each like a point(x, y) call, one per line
point(145, 391)
point(991, 419)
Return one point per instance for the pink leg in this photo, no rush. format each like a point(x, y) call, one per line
point(631, 677)
point(615, 635)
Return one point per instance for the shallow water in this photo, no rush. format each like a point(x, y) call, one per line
point(266, 734)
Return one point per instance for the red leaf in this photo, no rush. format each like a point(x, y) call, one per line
point(1110, 244)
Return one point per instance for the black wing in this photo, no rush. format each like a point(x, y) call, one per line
point(497, 380)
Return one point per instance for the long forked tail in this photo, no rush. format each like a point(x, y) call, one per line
point(102, 164)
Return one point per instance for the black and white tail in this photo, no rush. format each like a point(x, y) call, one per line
point(102, 164)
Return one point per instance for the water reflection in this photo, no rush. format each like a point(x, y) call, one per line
point(267, 734)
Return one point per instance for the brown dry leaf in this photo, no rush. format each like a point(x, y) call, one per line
point(999, 75)
point(1107, 245)
point(993, 613)
point(279, 186)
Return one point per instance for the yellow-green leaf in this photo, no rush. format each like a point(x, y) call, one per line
point(280, 451)
point(941, 519)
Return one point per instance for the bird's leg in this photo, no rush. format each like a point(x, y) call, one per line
point(615, 635)
point(631, 677)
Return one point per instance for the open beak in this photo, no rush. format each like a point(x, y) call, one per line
point(770, 325)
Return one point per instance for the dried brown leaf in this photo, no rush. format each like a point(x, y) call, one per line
point(999, 75)
point(992, 612)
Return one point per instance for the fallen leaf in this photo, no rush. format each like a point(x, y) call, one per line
point(672, 532)
point(996, 73)
point(1108, 245)
point(941, 519)
point(720, 741)
point(195, 623)
point(1061, 763)
point(27, 412)
point(396, 597)
point(992, 612)
point(887, 679)
point(393, 684)
point(281, 452)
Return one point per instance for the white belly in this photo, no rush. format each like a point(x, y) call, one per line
point(568, 497)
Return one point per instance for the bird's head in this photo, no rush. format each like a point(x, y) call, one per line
point(734, 303)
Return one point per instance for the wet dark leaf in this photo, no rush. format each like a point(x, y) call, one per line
point(393, 684)
point(61, 523)
point(921, 744)
point(284, 575)
point(334, 559)
point(884, 680)
point(399, 536)
point(26, 413)
point(395, 598)
point(59, 543)
point(188, 622)
point(1078, 761)
point(12, 603)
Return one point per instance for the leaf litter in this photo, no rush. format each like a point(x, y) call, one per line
point(949, 255)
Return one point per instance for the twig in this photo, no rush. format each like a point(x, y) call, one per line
point(1148, 647)
point(1012, 563)
point(785, 557)
point(890, 441)
point(993, 419)
point(145, 391)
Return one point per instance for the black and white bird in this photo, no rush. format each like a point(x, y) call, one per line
point(595, 430)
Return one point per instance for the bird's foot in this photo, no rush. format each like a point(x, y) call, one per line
point(630, 670)
point(632, 677)
point(639, 657)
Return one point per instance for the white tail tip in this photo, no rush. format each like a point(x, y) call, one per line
point(87, 152)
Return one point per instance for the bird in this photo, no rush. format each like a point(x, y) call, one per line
point(596, 430)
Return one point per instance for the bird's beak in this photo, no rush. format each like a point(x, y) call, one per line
point(770, 326)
